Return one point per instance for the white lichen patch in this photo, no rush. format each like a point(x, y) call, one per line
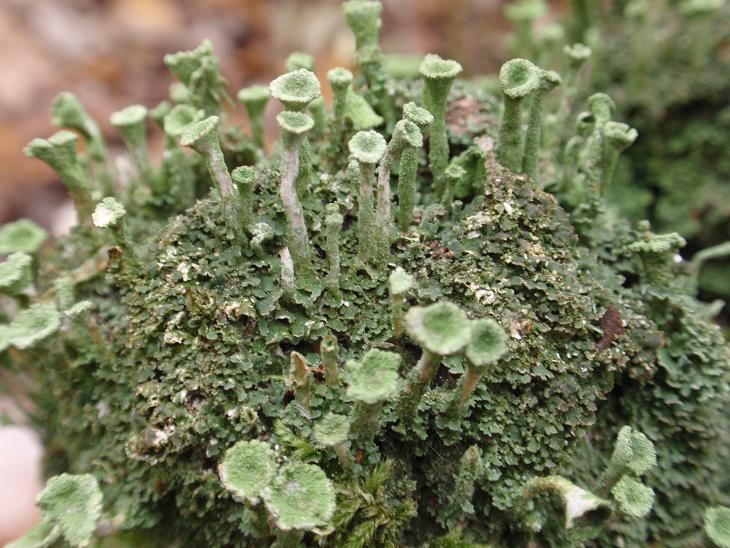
point(108, 212)
point(577, 502)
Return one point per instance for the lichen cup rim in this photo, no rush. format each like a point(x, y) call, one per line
point(441, 328)
point(488, 342)
point(128, 116)
point(297, 88)
point(294, 122)
point(367, 147)
point(519, 77)
point(434, 67)
point(199, 130)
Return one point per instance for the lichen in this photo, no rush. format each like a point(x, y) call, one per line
point(278, 349)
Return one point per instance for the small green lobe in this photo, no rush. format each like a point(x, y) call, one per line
point(717, 525)
point(24, 236)
point(73, 504)
point(16, 273)
point(34, 324)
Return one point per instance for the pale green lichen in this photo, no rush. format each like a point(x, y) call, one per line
point(438, 75)
point(72, 503)
point(301, 497)
point(247, 469)
point(717, 525)
point(519, 78)
point(33, 325)
point(296, 89)
point(254, 99)
point(23, 236)
point(16, 273)
point(219, 333)
point(633, 497)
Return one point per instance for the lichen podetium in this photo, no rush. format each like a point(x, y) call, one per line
point(297, 346)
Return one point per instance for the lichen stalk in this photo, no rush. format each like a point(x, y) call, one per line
point(365, 418)
point(534, 137)
point(131, 125)
point(518, 79)
point(407, 187)
point(329, 354)
point(244, 177)
point(59, 152)
point(469, 382)
point(298, 234)
point(438, 75)
point(366, 210)
point(333, 225)
point(254, 100)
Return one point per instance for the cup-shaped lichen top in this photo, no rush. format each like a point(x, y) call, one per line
point(400, 282)
point(418, 115)
point(406, 133)
point(577, 54)
point(296, 89)
point(58, 151)
point(333, 429)
point(72, 504)
point(299, 60)
point(367, 147)
point(374, 378)
point(16, 273)
point(198, 70)
point(197, 134)
point(301, 497)
point(363, 18)
point(129, 118)
point(439, 73)
point(254, 99)
point(525, 10)
point(34, 324)
point(441, 328)
point(717, 525)
point(339, 78)
point(602, 107)
point(518, 78)
point(67, 111)
point(108, 213)
point(294, 123)
point(658, 245)
point(633, 451)
point(247, 469)
point(633, 497)
point(619, 136)
point(22, 235)
point(180, 118)
point(488, 342)
point(159, 112)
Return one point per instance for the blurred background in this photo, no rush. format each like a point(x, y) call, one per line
point(109, 53)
